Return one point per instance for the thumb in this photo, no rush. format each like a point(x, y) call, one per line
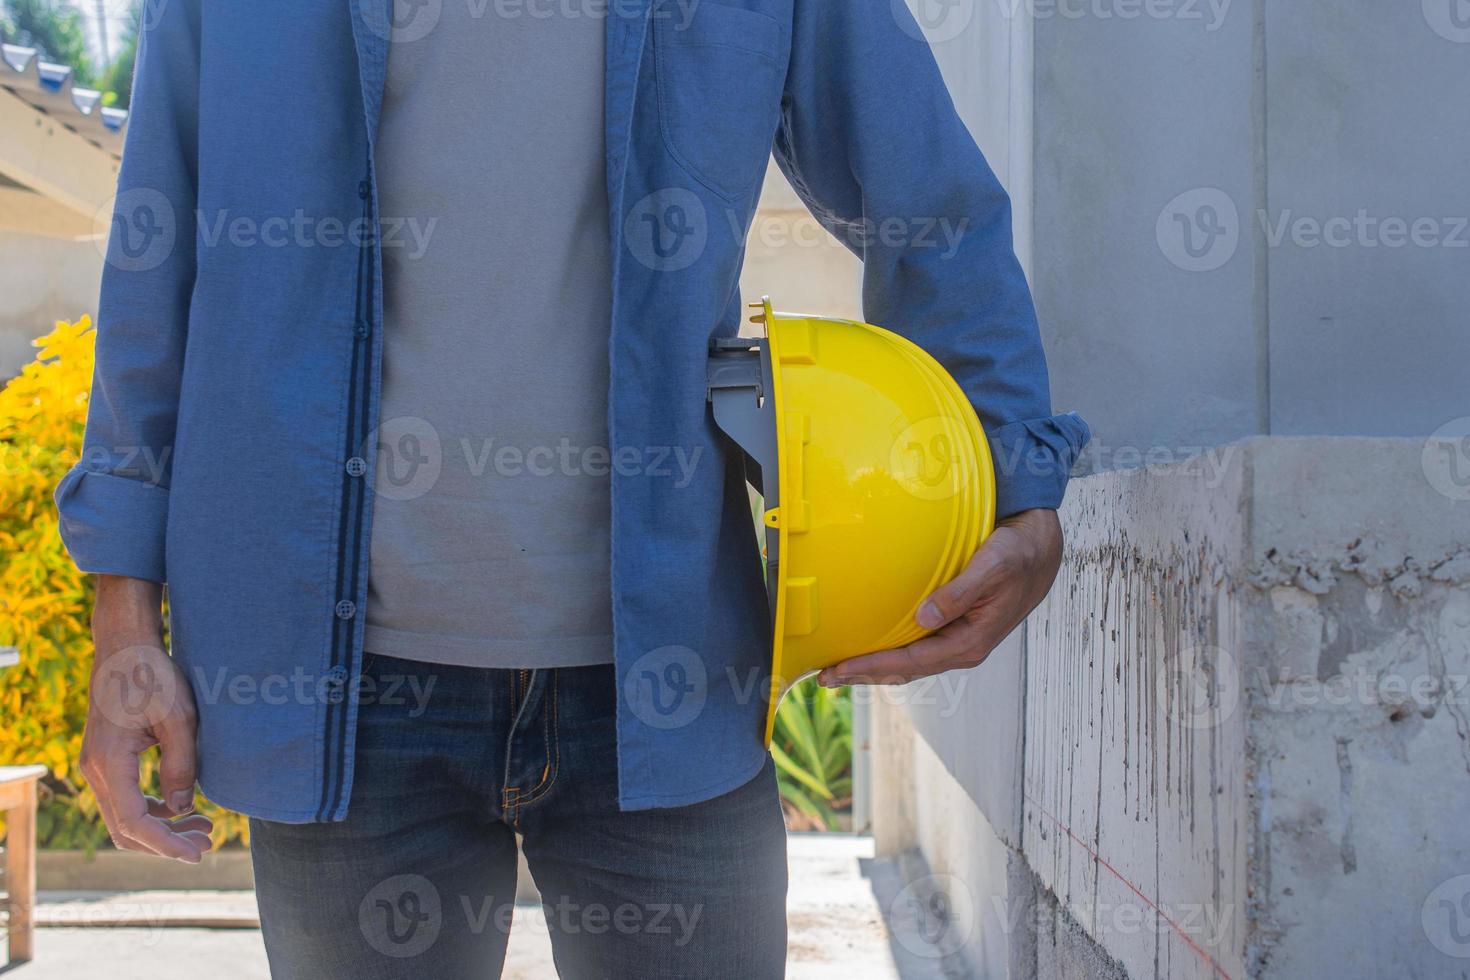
point(178, 761)
point(986, 570)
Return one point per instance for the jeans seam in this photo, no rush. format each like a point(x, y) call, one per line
point(552, 732)
point(509, 793)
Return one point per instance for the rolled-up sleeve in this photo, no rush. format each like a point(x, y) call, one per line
point(871, 141)
point(114, 503)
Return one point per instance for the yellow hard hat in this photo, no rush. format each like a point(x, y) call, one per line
point(875, 477)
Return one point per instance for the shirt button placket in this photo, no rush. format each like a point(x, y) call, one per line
point(336, 683)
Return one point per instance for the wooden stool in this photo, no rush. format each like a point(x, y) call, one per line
point(18, 800)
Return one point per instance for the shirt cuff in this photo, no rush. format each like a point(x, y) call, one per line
point(1033, 461)
point(113, 525)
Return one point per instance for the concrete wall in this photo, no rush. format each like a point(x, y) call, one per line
point(1239, 219)
point(42, 280)
point(1253, 214)
point(1245, 729)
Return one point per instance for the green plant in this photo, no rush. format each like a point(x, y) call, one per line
point(812, 746)
point(117, 81)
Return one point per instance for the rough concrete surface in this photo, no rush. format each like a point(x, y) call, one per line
point(1247, 748)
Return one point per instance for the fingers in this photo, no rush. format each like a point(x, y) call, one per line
point(986, 572)
point(195, 821)
point(132, 825)
point(136, 822)
point(177, 762)
point(948, 649)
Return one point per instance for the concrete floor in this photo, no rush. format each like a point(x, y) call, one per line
point(837, 929)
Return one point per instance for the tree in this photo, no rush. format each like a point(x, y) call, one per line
point(52, 28)
point(117, 80)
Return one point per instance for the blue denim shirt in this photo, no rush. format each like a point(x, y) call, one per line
point(230, 442)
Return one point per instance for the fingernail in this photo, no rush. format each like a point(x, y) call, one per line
point(930, 617)
point(182, 801)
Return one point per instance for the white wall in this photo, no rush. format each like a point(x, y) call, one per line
point(42, 280)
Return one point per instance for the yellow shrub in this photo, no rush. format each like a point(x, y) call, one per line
point(45, 602)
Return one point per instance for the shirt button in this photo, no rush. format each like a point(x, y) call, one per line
point(346, 609)
point(364, 189)
point(356, 466)
point(362, 328)
point(336, 675)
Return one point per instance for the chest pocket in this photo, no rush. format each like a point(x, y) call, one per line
point(720, 72)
